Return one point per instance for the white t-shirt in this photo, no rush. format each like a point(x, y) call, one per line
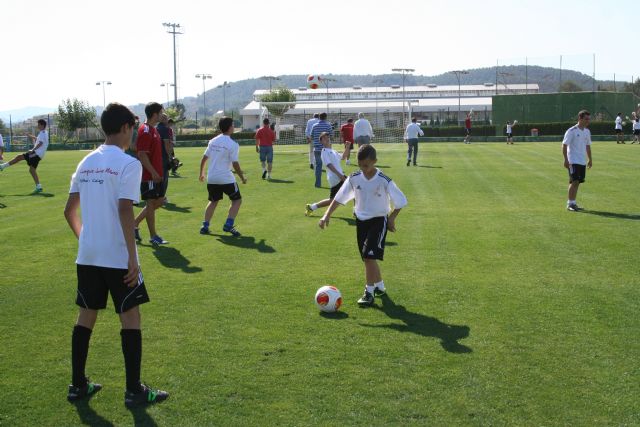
point(413, 131)
point(221, 151)
point(332, 157)
point(509, 128)
point(372, 195)
point(576, 141)
point(44, 138)
point(1, 141)
point(362, 127)
point(102, 178)
point(619, 122)
point(636, 126)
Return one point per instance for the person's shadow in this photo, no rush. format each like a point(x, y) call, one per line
point(349, 221)
point(430, 167)
point(172, 258)
point(247, 242)
point(141, 418)
point(280, 181)
point(88, 416)
point(425, 326)
point(172, 207)
point(634, 217)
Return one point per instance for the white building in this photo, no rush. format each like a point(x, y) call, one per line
point(384, 106)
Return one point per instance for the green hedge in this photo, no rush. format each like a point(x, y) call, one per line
point(559, 128)
point(448, 131)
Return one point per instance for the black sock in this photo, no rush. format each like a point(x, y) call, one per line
point(132, 351)
point(79, 352)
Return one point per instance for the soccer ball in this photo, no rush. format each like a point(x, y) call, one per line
point(328, 299)
point(313, 81)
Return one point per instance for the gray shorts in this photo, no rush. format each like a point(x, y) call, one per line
point(266, 154)
point(363, 140)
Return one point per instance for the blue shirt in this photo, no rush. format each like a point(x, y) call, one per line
point(310, 123)
point(316, 130)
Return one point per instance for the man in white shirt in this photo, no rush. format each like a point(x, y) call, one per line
point(362, 130)
point(576, 148)
point(33, 156)
point(104, 187)
point(636, 130)
point(307, 134)
point(411, 136)
point(331, 159)
point(222, 154)
point(618, 130)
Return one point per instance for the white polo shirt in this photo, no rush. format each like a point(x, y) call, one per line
point(221, 151)
point(43, 137)
point(413, 131)
point(102, 178)
point(619, 122)
point(636, 126)
point(576, 141)
point(373, 196)
point(332, 157)
point(362, 127)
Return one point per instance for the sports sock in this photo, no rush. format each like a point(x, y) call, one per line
point(229, 222)
point(38, 185)
point(205, 224)
point(5, 165)
point(79, 352)
point(314, 206)
point(370, 288)
point(132, 350)
point(379, 285)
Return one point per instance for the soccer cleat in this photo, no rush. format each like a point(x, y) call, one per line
point(38, 190)
point(366, 299)
point(136, 234)
point(379, 292)
point(231, 230)
point(204, 230)
point(310, 165)
point(145, 397)
point(77, 393)
point(269, 177)
point(415, 164)
point(307, 210)
point(408, 162)
point(574, 208)
point(264, 174)
point(157, 240)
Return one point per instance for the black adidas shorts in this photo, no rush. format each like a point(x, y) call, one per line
point(216, 191)
point(95, 283)
point(372, 234)
point(32, 159)
point(152, 190)
point(334, 190)
point(577, 173)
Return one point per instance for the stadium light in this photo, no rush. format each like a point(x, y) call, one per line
point(224, 87)
point(457, 73)
point(404, 72)
point(103, 82)
point(174, 29)
point(270, 78)
point(204, 98)
point(167, 84)
point(377, 82)
point(326, 81)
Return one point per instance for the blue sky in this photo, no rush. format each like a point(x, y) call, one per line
point(55, 50)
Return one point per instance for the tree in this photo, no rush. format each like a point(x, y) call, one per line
point(633, 87)
point(279, 94)
point(74, 114)
point(3, 128)
point(569, 86)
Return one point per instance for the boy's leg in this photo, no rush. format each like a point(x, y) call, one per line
point(131, 341)
point(372, 271)
point(208, 212)
point(234, 208)
point(409, 151)
point(318, 170)
point(269, 166)
point(415, 152)
point(80, 345)
point(142, 215)
point(34, 175)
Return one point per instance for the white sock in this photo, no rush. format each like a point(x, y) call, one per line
point(314, 206)
point(571, 202)
point(370, 288)
point(5, 165)
point(264, 170)
point(38, 186)
point(379, 285)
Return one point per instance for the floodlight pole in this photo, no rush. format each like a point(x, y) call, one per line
point(102, 83)
point(377, 82)
point(326, 81)
point(270, 78)
point(167, 84)
point(457, 73)
point(404, 72)
point(174, 31)
point(204, 98)
point(224, 87)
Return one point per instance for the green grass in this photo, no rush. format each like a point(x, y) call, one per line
point(503, 308)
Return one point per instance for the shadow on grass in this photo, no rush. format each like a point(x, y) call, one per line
point(280, 181)
point(635, 217)
point(246, 242)
point(172, 258)
point(141, 418)
point(88, 416)
point(350, 221)
point(2, 206)
point(425, 326)
point(338, 315)
point(430, 167)
point(33, 193)
point(172, 207)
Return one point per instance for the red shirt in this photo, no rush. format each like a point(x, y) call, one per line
point(467, 123)
point(149, 142)
point(265, 136)
point(346, 131)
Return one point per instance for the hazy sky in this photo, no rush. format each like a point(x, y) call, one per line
point(52, 50)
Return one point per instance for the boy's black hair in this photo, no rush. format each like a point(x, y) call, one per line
point(265, 122)
point(413, 119)
point(323, 116)
point(152, 108)
point(316, 115)
point(114, 117)
point(349, 120)
point(583, 113)
point(366, 151)
point(619, 114)
point(42, 122)
point(225, 124)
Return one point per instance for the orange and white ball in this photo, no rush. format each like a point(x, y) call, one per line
point(328, 299)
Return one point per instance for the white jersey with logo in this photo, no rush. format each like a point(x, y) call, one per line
point(509, 128)
point(332, 157)
point(636, 126)
point(102, 178)
point(43, 137)
point(373, 196)
point(576, 141)
point(221, 151)
point(619, 122)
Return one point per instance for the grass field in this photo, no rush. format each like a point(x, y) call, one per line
point(503, 308)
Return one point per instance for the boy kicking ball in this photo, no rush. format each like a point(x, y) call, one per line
point(372, 191)
point(335, 175)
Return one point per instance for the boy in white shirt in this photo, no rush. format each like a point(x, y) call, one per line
point(331, 159)
point(33, 156)
point(372, 191)
point(222, 153)
point(636, 130)
point(104, 187)
point(618, 129)
point(576, 148)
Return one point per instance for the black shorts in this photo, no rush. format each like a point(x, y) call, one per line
point(577, 173)
point(150, 190)
point(231, 190)
point(372, 234)
point(467, 131)
point(618, 131)
point(334, 190)
point(636, 131)
point(95, 283)
point(32, 159)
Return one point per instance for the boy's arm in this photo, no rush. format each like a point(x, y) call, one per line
point(566, 159)
point(71, 213)
point(127, 222)
point(334, 170)
point(143, 156)
point(202, 163)
point(324, 221)
point(589, 155)
point(236, 167)
point(391, 220)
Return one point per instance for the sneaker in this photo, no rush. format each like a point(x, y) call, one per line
point(408, 162)
point(264, 174)
point(310, 165)
point(1, 167)
point(145, 397)
point(377, 292)
point(415, 164)
point(204, 230)
point(77, 393)
point(136, 234)
point(574, 208)
point(231, 230)
point(157, 240)
point(268, 177)
point(38, 190)
point(366, 299)
point(307, 210)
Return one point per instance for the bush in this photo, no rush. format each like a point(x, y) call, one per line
point(559, 128)
point(449, 131)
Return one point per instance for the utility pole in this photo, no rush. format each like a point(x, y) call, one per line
point(204, 98)
point(377, 82)
point(404, 72)
point(224, 87)
point(174, 29)
point(270, 78)
point(326, 81)
point(167, 84)
point(103, 82)
point(457, 73)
